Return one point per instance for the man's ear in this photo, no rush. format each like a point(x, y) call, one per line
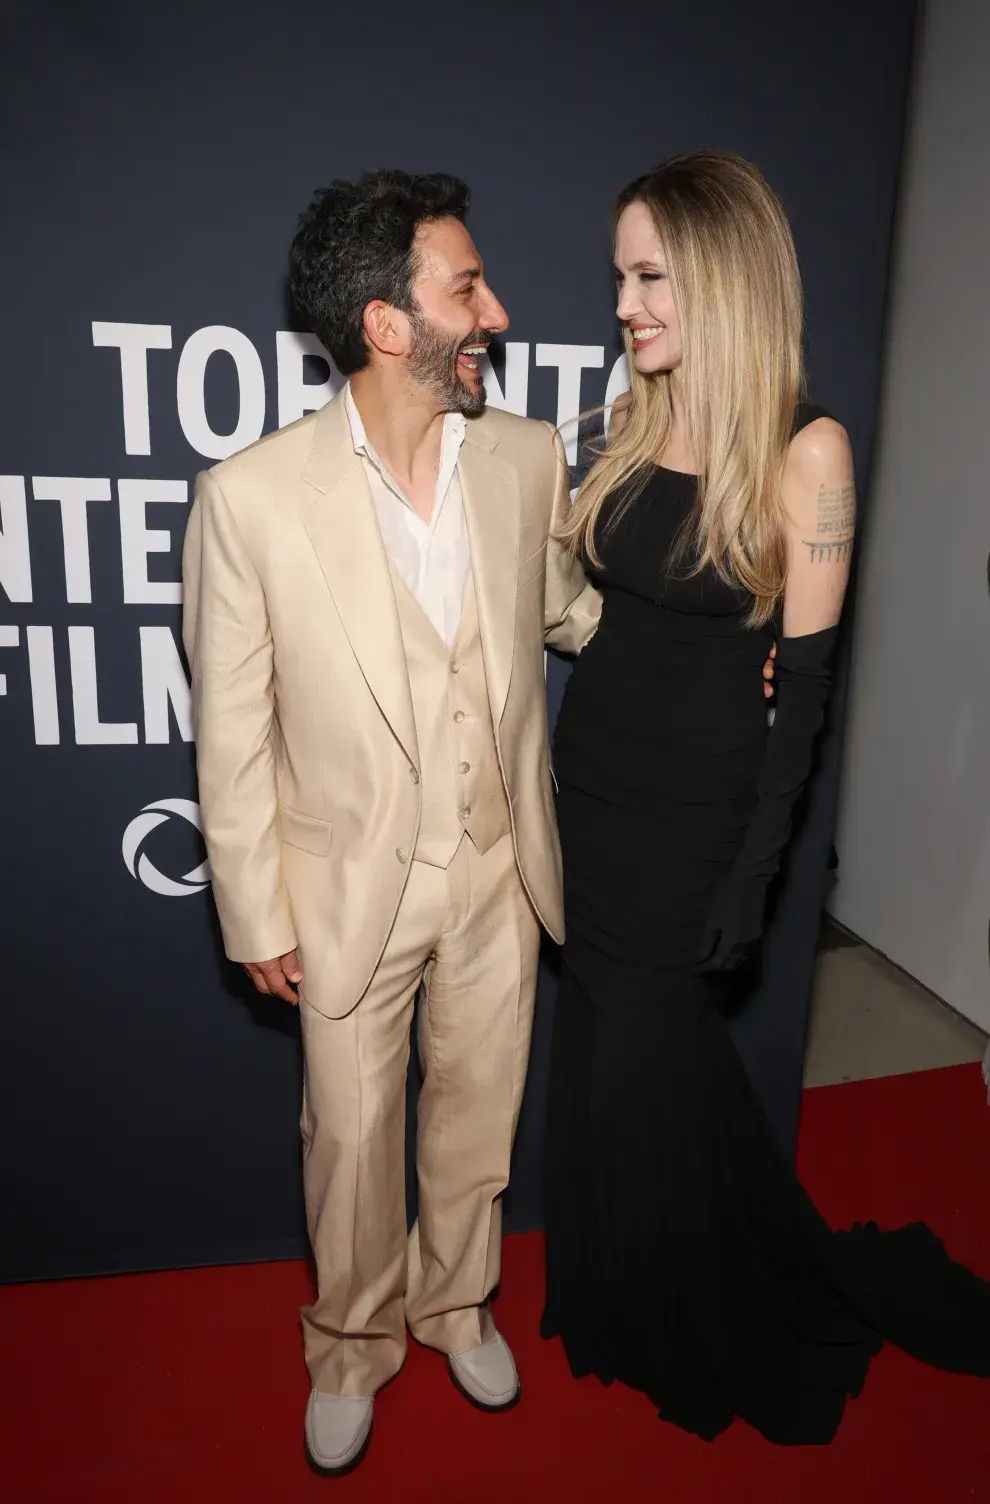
point(386, 328)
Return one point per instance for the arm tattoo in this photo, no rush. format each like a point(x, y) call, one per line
point(835, 527)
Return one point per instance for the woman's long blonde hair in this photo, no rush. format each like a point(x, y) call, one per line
point(734, 277)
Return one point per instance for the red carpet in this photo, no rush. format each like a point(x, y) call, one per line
point(188, 1387)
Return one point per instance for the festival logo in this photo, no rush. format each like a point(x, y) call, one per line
point(139, 863)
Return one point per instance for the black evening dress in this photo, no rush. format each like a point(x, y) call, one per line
point(683, 1256)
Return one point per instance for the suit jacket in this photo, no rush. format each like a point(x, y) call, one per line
point(306, 742)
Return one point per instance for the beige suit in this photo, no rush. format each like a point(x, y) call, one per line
point(385, 806)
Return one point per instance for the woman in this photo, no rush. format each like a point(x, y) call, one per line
point(683, 1257)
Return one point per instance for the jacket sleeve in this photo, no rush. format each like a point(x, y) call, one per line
point(572, 604)
point(228, 643)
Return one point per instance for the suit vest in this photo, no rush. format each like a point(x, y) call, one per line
point(461, 783)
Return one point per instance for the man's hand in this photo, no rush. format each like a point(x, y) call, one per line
point(768, 689)
point(274, 977)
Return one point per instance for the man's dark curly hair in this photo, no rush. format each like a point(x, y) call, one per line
point(355, 243)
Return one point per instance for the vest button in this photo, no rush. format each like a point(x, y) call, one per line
point(414, 775)
point(465, 767)
point(402, 854)
point(458, 716)
point(455, 668)
point(465, 813)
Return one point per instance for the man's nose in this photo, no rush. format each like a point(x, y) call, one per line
point(495, 319)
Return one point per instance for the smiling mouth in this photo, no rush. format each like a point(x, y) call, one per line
point(646, 336)
point(467, 358)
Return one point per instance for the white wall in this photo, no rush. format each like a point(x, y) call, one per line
point(914, 827)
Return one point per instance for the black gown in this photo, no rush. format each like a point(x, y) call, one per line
point(683, 1256)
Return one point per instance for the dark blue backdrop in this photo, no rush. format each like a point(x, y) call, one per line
point(156, 160)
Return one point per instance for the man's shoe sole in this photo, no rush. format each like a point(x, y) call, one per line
point(338, 1472)
point(478, 1404)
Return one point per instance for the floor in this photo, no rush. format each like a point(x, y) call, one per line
point(146, 1373)
point(188, 1387)
point(870, 1019)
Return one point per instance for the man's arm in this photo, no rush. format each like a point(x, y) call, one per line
point(572, 605)
point(229, 646)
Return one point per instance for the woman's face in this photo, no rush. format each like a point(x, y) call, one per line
point(645, 302)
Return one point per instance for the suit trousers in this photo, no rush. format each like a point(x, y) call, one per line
point(467, 934)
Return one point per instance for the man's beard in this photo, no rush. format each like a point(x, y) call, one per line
point(433, 364)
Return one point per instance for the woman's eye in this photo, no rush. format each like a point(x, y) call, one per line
point(652, 276)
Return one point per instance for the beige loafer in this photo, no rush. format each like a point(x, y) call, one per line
point(338, 1430)
point(486, 1375)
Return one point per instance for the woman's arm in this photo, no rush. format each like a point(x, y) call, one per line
point(819, 498)
point(819, 495)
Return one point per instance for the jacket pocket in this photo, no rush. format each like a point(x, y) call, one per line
point(305, 831)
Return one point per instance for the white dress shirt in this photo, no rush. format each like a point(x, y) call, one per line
point(432, 557)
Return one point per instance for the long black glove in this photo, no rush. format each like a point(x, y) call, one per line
point(736, 918)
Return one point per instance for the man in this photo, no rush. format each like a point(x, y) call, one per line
point(367, 596)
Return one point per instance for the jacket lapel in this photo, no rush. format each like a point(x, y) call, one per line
point(339, 517)
point(490, 491)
